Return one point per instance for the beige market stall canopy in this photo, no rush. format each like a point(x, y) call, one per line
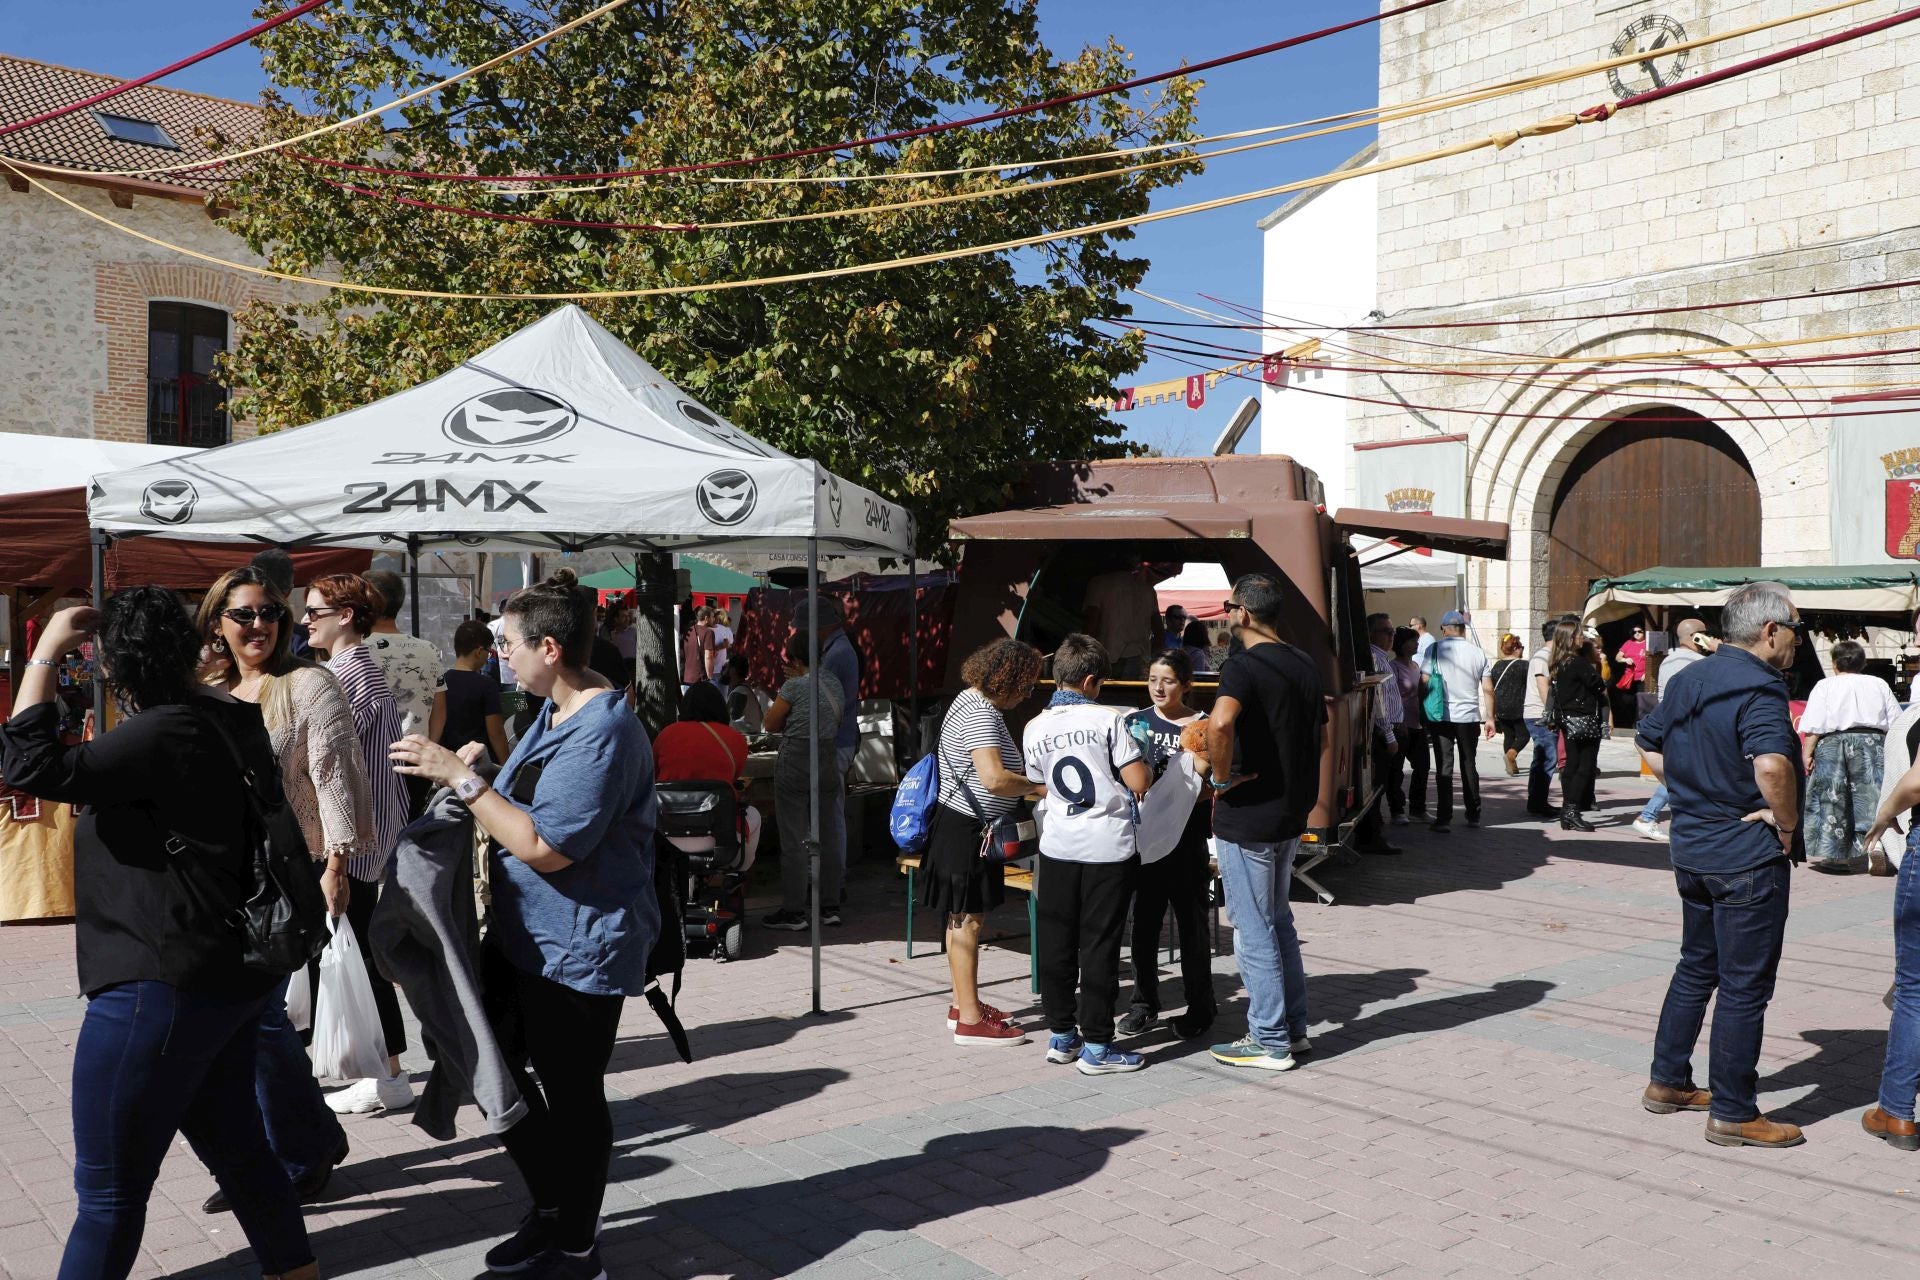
point(1862, 588)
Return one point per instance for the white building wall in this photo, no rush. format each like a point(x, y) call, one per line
point(1319, 266)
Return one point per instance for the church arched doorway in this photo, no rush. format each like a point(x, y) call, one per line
point(1663, 486)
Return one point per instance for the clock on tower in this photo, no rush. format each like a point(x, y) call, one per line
point(1654, 36)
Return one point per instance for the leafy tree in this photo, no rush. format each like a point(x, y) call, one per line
point(930, 384)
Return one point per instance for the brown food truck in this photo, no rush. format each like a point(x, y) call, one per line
point(1024, 573)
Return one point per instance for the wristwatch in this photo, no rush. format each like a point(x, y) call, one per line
point(471, 788)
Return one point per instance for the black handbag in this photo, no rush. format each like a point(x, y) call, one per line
point(282, 917)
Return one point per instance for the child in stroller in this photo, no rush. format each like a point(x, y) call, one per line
point(700, 764)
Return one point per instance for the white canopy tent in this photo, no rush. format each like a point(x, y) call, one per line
point(32, 463)
point(558, 438)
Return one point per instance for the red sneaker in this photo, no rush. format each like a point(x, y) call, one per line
point(988, 1031)
point(986, 1011)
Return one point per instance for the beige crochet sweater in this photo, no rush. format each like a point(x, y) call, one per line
point(321, 769)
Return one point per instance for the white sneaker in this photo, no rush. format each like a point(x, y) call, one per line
point(366, 1096)
point(1399, 819)
point(1650, 830)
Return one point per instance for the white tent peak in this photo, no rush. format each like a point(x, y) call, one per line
point(557, 435)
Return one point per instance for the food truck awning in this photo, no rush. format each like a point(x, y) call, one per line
point(1123, 521)
point(1483, 538)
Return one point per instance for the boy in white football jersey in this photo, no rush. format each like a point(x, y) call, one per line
point(1094, 777)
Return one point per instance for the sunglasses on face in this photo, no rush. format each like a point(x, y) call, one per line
point(246, 617)
point(1229, 605)
point(311, 613)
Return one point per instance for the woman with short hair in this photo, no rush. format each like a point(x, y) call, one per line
point(1509, 677)
point(982, 778)
point(341, 611)
point(1844, 731)
point(162, 859)
point(574, 912)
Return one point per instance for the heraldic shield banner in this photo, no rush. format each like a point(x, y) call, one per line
point(1874, 467)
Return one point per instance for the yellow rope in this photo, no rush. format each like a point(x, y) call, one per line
point(337, 125)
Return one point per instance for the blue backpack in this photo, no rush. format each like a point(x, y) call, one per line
point(912, 815)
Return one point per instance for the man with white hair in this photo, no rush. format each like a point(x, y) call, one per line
point(1724, 744)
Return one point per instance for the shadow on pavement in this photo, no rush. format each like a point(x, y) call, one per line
point(716, 1040)
point(1845, 1075)
point(786, 1226)
point(713, 1102)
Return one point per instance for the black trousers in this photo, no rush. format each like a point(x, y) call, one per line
point(564, 1144)
point(1465, 737)
point(1418, 754)
point(1386, 776)
point(1583, 763)
point(1177, 882)
point(1081, 911)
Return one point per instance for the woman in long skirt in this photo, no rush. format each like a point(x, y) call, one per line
point(1845, 728)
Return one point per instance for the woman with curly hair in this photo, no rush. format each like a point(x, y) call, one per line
point(248, 632)
point(162, 859)
point(982, 778)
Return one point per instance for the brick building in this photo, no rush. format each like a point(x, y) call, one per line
point(101, 334)
point(1801, 178)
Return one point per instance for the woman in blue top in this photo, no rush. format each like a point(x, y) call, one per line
point(574, 915)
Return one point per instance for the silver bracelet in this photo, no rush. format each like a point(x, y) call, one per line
point(42, 662)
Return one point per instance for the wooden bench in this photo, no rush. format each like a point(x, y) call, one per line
point(1018, 878)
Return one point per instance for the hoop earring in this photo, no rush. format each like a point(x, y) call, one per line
point(219, 645)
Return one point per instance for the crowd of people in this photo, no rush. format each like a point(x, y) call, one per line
point(348, 727)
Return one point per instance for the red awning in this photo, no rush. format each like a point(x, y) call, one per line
point(43, 543)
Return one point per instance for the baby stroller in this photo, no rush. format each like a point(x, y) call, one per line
point(703, 822)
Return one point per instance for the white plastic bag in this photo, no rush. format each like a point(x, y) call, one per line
point(347, 1044)
point(1164, 813)
point(300, 999)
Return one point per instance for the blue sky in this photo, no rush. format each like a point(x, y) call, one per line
point(1214, 253)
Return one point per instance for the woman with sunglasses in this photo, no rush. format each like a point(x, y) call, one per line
point(342, 609)
point(248, 633)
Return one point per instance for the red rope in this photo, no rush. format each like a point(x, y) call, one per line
point(880, 139)
point(163, 72)
point(511, 217)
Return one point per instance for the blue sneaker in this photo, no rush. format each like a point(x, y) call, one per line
point(1248, 1052)
point(1105, 1060)
point(1064, 1048)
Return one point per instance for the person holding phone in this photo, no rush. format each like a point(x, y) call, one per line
point(574, 912)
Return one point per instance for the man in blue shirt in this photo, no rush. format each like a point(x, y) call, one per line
point(1723, 743)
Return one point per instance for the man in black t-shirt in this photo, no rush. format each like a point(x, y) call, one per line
point(1264, 741)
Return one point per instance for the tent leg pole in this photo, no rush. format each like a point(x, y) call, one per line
point(97, 539)
point(913, 660)
point(813, 760)
point(413, 583)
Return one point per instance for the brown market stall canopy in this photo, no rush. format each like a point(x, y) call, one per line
point(1414, 529)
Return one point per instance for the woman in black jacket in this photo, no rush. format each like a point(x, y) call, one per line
point(1579, 697)
point(161, 861)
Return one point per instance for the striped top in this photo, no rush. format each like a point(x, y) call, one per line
point(376, 722)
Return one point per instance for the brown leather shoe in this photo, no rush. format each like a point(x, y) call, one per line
point(1898, 1134)
point(1663, 1100)
point(1758, 1132)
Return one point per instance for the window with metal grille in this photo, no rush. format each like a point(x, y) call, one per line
point(185, 406)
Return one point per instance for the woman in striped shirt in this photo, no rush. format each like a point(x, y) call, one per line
point(341, 610)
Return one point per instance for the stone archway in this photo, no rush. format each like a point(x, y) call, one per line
point(1662, 486)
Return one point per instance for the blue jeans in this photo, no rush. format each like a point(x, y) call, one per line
point(151, 1061)
point(1655, 803)
point(1730, 935)
point(1900, 1077)
point(1546, 755)
point(301, 1129)
point(1257, 878)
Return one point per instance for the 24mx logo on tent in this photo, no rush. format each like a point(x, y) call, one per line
point(726, 497)
point(376, 496)
point(169, 501)
point(509, 416)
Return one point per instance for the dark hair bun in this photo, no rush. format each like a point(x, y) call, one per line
point(563, 578)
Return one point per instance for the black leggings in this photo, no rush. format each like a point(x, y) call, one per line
point(1178, 881)
point(1583, 763)
point(1081, 908)
point(564, 1144)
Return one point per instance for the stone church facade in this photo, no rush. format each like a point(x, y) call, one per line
point(1799, 179)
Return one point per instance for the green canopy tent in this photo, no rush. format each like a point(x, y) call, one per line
point(1888, 589)
point(707, 579)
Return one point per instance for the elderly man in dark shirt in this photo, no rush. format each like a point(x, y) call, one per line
point(1723, 743)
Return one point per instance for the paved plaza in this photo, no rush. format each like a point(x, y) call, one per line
point(1482, 1010)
